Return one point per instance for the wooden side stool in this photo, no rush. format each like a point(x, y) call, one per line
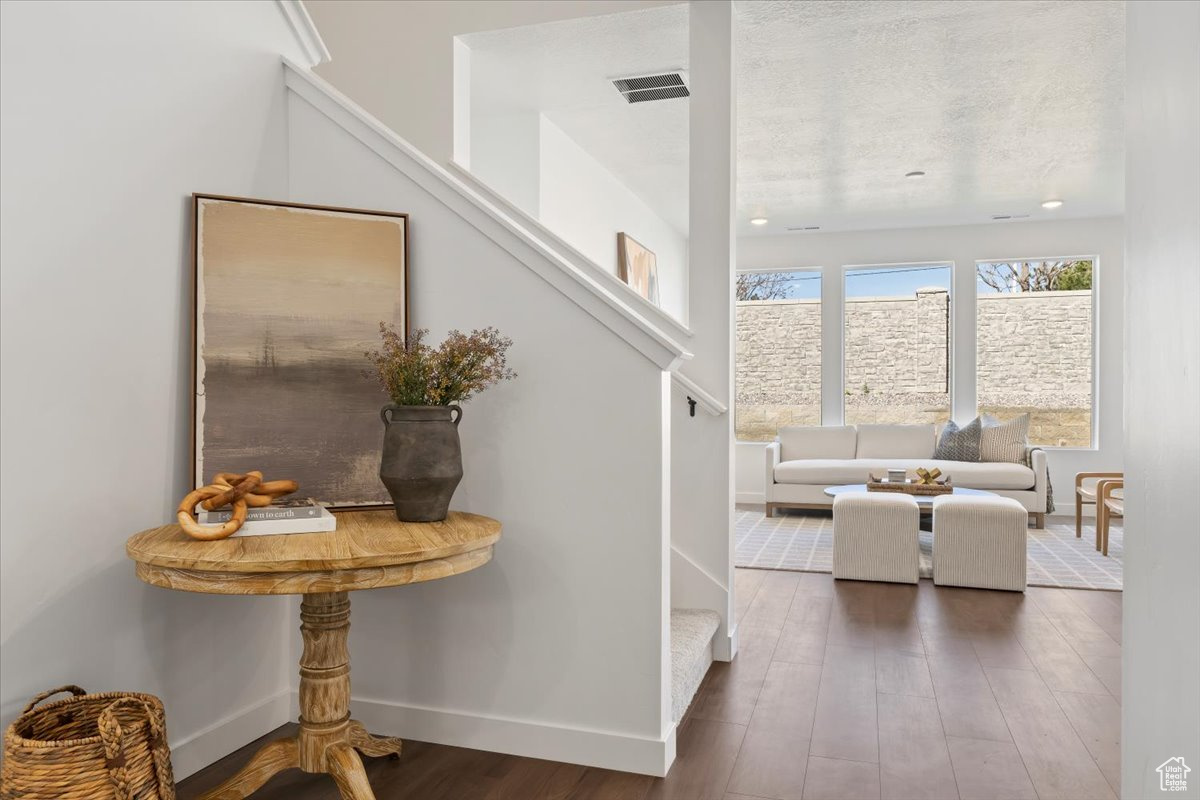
point(1111, 504)
point(1086, 494)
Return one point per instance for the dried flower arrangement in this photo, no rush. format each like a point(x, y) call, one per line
point(416, 374)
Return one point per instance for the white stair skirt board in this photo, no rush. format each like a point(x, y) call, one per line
point(803, 541)
point(692, 631)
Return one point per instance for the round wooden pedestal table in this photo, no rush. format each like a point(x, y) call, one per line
point(370, 549)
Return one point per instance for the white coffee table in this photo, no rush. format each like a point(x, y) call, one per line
point(924, 501)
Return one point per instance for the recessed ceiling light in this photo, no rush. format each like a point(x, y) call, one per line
point(914, 174)
point(758, 221)
point(1052, 204)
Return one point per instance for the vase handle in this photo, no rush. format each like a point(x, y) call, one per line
point(383, 414)
point(457, 417)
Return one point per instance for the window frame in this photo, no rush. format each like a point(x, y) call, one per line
point(820, 272)
point(952, 345)
point(1094, 446)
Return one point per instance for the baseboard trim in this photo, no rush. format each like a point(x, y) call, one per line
point(605, 749)
point(725, 647)
point(751, 498)
point(195, 752)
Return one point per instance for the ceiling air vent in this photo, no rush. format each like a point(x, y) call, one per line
point(804, 228)
point(645, 88)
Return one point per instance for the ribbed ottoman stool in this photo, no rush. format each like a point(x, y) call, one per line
point(875, 537)
point(979, 542)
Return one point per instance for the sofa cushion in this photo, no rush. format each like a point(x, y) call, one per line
point(987, 474)
point(815, 441)
point(959, 444)
point(1004, 441)
point(968, 474)
point(827, 471)
point(895, 441)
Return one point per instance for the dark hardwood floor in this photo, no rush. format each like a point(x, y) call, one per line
point(841, 690)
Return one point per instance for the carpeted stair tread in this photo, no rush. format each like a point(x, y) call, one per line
point(692, 630)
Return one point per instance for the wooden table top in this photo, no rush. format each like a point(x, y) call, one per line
point(368, 549)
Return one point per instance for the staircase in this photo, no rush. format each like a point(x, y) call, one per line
point(477, 252)
point(692, 631)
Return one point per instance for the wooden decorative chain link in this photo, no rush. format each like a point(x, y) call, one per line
point(229, 488)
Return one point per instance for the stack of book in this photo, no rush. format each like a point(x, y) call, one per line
point(289, 516)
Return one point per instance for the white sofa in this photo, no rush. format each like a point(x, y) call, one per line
point(803, 461)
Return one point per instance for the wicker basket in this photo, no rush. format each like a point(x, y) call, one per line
point(88, 747)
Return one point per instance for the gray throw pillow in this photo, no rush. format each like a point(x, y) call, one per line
point(959, 444)
point(1004, 441)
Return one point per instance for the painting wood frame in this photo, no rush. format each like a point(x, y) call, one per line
point(629, 249)
point(358, 487)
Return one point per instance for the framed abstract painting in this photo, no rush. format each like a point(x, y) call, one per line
point(288, 298)
point(637, 266)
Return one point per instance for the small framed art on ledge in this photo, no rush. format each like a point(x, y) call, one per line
point(637, 266)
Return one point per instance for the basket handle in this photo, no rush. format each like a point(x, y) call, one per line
point(160, 751)
point(113, 738)
point(73, 689)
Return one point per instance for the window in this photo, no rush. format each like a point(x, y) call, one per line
point(897, 346)
point(1034, 346)
point(778, 352)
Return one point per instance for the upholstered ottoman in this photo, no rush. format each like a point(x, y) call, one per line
point(875, 537)
point(979, 542)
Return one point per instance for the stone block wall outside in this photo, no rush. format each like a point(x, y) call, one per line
point(1034, 354)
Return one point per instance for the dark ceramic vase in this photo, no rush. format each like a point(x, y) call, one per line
point(422, 460)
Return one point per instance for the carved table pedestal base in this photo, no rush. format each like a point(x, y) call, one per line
point(328, 741)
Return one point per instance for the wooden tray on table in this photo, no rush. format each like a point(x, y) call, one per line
point(908, 487)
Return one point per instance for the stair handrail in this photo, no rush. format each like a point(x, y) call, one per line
point(696, 392)
point(306, 33)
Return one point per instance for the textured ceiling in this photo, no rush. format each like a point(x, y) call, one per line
point(1001, 104)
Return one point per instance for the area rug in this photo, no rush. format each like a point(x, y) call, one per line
point(802, 541)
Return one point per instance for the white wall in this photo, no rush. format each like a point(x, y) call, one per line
point(396, 58)
point(585, 204)
point(558, 647)
point(701, 446)
point(531, 163)
point(962, 245)
point(113, 113)
point(508, 155)
point(1160, 659)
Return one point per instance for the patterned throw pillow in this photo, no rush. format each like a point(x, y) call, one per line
point(959, 444)
point(1004, 441)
